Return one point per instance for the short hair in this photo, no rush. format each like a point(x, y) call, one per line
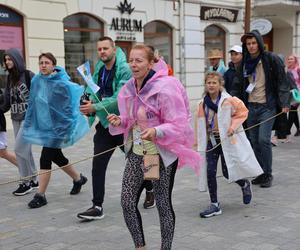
point(107, 38)
point(151, 47)
point(50, 56)
point(149, 52)
point(211, 74)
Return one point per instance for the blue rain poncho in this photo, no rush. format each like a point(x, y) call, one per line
point(53, 118)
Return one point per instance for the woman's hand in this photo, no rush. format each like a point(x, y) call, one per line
point(230, 132)
point(114, 120)
point(148, 134)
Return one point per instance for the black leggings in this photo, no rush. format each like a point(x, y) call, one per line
point(50, 155)
point(293, 118)
point(132, 186)
point(212, 158)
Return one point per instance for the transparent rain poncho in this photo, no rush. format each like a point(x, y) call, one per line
point(159, 104)
point(53, 118)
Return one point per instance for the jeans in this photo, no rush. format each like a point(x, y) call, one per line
point(260, 136)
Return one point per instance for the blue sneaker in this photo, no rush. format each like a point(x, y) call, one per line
point(212, 210)
point(247, 193)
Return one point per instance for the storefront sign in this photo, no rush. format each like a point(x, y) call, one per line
point(7, 16)
point(10, 37)
point(126, 27)
point(221, 14)
point(264, 26)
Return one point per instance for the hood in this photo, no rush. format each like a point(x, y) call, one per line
point(258, 37)
point(61, 74)
point(17, 58)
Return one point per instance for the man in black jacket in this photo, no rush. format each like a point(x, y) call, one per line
point(263, 88)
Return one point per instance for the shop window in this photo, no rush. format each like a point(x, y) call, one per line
point(214, 39)
point(11, 35)
point(159, 35)
point(81, 33)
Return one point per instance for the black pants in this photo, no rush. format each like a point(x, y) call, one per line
point(50, 155)
point(103, 141)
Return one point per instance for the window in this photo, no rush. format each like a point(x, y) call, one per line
point(214, 39)
point(81, 33)
point(11, 35)
point(159, 35)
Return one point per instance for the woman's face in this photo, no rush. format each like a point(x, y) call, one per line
point(46, 66)
point(139, 63)
point(213, 85)
point(9, 64)
point(291, 61)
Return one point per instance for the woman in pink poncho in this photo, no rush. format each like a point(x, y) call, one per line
point(293, 67)
point(153, 117)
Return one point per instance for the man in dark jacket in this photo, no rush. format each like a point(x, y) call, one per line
point(236, 54)
point(264, 87)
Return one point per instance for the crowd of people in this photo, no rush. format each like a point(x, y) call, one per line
point(143, 109)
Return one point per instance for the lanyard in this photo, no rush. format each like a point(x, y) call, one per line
point(104, 80)
point(211, 125)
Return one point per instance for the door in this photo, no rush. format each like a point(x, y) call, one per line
point(125, 46)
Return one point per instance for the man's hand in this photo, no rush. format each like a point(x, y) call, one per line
point(87, 108)
point(114, 120)
point(285, 109)
point(148, 134)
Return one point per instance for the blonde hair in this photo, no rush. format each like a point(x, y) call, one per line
point(212, 74)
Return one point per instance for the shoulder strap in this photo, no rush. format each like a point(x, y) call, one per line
point(27, 78)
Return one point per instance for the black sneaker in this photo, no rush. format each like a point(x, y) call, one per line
point(78, 184)
point(267, 182)
point(212, 210)
point(22, 189)
point(34, 184)
point(247, 193)
point(149, 200)
point(258, 180)
point(297, 133)
point(38, 200)
point(93, 213)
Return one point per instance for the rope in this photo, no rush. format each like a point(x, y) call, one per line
point(114, 148)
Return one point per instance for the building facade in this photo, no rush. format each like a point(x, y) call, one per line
point(181, 30)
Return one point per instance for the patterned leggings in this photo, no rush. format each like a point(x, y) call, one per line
point(132, 187)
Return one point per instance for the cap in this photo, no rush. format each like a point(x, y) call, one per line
point(215, 53)
point(236, 48)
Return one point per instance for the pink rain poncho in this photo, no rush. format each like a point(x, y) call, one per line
point(159, 104)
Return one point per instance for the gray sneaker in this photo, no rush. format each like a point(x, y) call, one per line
point(212, 210)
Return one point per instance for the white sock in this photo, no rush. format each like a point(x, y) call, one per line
point(99, 208)
point(216, 204)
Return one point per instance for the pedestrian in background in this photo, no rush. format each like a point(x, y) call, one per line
point(220, 119)
point(215, 57)
point(264, 87)
point(293, 67)
point(16, 96)
point(53, 120)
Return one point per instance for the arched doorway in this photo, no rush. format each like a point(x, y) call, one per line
point(11, 35)
point(159, 35)
point(214, 39)
point(81, 33)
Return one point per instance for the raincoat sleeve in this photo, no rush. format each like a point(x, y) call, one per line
point(239, 112)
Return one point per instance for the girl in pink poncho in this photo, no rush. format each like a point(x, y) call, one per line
point(293, 67)
point(153, 116)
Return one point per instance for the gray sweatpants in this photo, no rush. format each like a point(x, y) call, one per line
point(23, 153)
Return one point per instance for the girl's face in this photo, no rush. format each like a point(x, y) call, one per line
point(46, 66)
point(9, 64)
point(213, 85)
point(291, 61)
point(139, 64)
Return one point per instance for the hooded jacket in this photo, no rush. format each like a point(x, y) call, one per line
point(277, 86)
point(122, 75)
point(16, 96)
